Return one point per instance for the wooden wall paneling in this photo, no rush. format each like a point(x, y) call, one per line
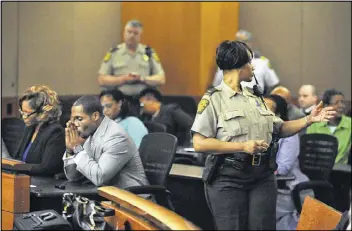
point(185, 35)
point(219, 22)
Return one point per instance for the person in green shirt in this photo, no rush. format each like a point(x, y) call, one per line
point(339, 126)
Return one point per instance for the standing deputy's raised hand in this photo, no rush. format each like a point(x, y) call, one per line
point(320, 114)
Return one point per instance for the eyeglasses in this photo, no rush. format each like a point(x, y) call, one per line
point(107, 106)
point(26, 115)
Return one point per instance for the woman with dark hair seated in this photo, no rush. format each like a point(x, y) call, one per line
point(288, 164)
point(116, 108)
point(43, 142)
point(177, 121)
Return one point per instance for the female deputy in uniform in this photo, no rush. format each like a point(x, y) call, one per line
point(43, 141)
point(234, 124)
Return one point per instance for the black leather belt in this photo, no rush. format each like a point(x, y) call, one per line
point(242, 158)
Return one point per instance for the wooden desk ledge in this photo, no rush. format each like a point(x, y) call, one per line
point(146, 208)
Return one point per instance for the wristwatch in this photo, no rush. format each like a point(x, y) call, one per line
point(77, 149)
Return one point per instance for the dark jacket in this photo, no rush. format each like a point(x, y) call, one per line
point(45, 155)
point(177, 121)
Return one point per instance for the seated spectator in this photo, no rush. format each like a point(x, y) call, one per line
point(98, 149)
point(339, 126)
point(176, 120)
point(293, 112)
point(4, 152)
point(288, 164)
point(117, 108)
point(307, 98)
point(43, 140)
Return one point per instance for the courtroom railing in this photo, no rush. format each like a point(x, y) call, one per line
point(135, 213)
point(14, 191)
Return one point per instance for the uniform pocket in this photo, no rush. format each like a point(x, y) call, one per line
point(120, 68)
point(119, 65)
point(235, 122)
point(267, 120)
point(143, 65)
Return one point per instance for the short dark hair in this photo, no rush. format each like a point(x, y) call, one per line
point(117, 95)
point(328, 94)
point(232, 55)
point(90, 104)
point(152, 91)
point(134, 23)
point(281, 106)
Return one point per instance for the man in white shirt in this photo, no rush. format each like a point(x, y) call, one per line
point(263, 71)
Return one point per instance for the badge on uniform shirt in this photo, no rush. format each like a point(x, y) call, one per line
point(202, 105)
point(156, 57)
point(258, 103)
point(145, 57)
point(107, 57)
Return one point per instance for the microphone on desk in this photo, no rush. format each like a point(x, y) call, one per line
point(60, 176)
point(61, 186)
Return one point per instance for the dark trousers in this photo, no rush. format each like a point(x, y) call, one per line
point(234, 208)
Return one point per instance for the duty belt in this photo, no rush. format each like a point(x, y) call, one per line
point(255, 159)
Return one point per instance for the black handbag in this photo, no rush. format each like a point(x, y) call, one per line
point(85, 214)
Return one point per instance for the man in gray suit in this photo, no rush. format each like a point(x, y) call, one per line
point(97, 148)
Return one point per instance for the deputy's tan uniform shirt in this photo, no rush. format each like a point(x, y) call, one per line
point(121, 62)
point(234, 117)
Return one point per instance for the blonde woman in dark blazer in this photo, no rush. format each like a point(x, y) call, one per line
point(43, 141)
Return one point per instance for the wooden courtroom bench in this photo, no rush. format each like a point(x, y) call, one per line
point(316, 215)
point(133, 212)
point(14, 192)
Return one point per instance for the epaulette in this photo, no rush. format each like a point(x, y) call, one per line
point(249, 89)
point(107, 57)
point(113, 49)
point(151, 53)
point(148, 51)
point(263, 57)
point(268, 61)
point(211, 91)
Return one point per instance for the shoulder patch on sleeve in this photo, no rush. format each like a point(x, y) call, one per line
point(263, 57)
point(156, 57)
point(107, 57)
point(267, 60)
point(202, 105)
